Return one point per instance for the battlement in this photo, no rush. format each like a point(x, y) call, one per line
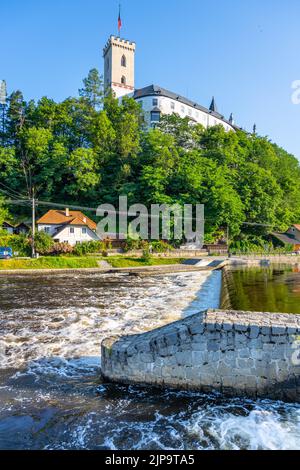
point(119, 42)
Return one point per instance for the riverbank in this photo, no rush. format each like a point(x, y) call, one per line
point(123, 263)
point(87, 263)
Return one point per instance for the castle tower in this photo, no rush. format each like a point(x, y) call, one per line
point(119, 66)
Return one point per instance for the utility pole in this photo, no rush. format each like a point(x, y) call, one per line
point(228, 241)
point(3, 102)
point(33, 223)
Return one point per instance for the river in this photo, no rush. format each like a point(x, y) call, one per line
point(51, 393)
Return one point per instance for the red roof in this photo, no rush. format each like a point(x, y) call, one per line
point(297, 226)
point(59, 217)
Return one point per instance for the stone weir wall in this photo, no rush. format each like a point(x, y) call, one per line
point(235, 353)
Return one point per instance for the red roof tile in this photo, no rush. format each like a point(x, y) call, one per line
point(58, 217)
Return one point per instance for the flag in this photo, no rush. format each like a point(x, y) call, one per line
point(119, 20)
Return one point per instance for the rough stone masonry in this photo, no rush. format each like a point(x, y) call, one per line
point(235, 353)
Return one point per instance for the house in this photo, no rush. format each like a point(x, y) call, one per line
point(290, 237)
point(16, 229)
point(22, 228)
point(9, 228)
point(67, 226)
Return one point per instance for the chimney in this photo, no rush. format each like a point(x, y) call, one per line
point(67, 212)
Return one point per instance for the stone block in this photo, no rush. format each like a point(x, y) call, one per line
point(213, 346)
point(265, 330)
point(278, 330)
point(254, 331)
point(240, 327)
point(197, 328)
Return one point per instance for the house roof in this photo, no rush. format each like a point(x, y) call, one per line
point(154, 90)
point(7, 224)
point(59, 217)
point(287, 238)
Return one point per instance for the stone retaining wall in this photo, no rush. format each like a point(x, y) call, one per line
point(235, 353)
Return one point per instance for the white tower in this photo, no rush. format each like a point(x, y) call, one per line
point(119, 66)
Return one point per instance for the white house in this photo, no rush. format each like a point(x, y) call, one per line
point(67, 226)
point(119, 76)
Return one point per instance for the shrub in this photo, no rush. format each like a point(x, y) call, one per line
point(94, 246)
point(161, 247)
point(61, 249)
point(146, 258)
point(132, 244)
point(19, 243)
point(43, 243)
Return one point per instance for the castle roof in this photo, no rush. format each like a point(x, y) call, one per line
point(213, 106)
point(155, 90)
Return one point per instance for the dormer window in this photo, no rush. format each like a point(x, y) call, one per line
point(123, 80)
point(123, 61)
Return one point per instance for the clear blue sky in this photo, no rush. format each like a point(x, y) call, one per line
point(245, 52)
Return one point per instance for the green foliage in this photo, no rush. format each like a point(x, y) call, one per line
point(146, 258)
point(90, 149)
point(19, 243)
point(91, 247)
point(92, 90)
point(43, 243)
point(161, 247)
point(50, 263)
point(3, 211)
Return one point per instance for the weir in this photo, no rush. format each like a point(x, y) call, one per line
point(233, 352)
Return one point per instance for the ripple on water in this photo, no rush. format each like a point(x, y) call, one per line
point(51, 395)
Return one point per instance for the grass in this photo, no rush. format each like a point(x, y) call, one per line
point(70, 262)
point(130, 262)
point(59, 262)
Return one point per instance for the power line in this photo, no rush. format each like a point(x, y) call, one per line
point(12, 191)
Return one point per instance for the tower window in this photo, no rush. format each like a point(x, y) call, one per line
point(155, 102)
point(172, 105)
point(123, 61)
point(123, 80)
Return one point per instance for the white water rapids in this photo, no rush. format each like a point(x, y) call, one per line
point(51, 395)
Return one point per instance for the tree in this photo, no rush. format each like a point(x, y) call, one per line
point(92, 90)
point(3, 211)
point(43, 243)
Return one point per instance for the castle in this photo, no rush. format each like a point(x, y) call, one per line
point(119, 73)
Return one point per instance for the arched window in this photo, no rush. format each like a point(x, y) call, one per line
point(123, 61)
point(123, 80)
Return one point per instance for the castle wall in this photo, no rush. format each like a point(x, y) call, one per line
point(235, 353)
point(168, 106)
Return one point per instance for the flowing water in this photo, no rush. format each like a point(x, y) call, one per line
point(51, 394)
point(274, 288)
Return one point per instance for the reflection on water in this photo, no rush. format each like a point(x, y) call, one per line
point(51, 394)
point(267, 289)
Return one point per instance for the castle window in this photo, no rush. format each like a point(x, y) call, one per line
point(172, 105)
point(182, 109)
point(155, 116)
point(123, 61)
point(123, 80)
point(155, 102)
